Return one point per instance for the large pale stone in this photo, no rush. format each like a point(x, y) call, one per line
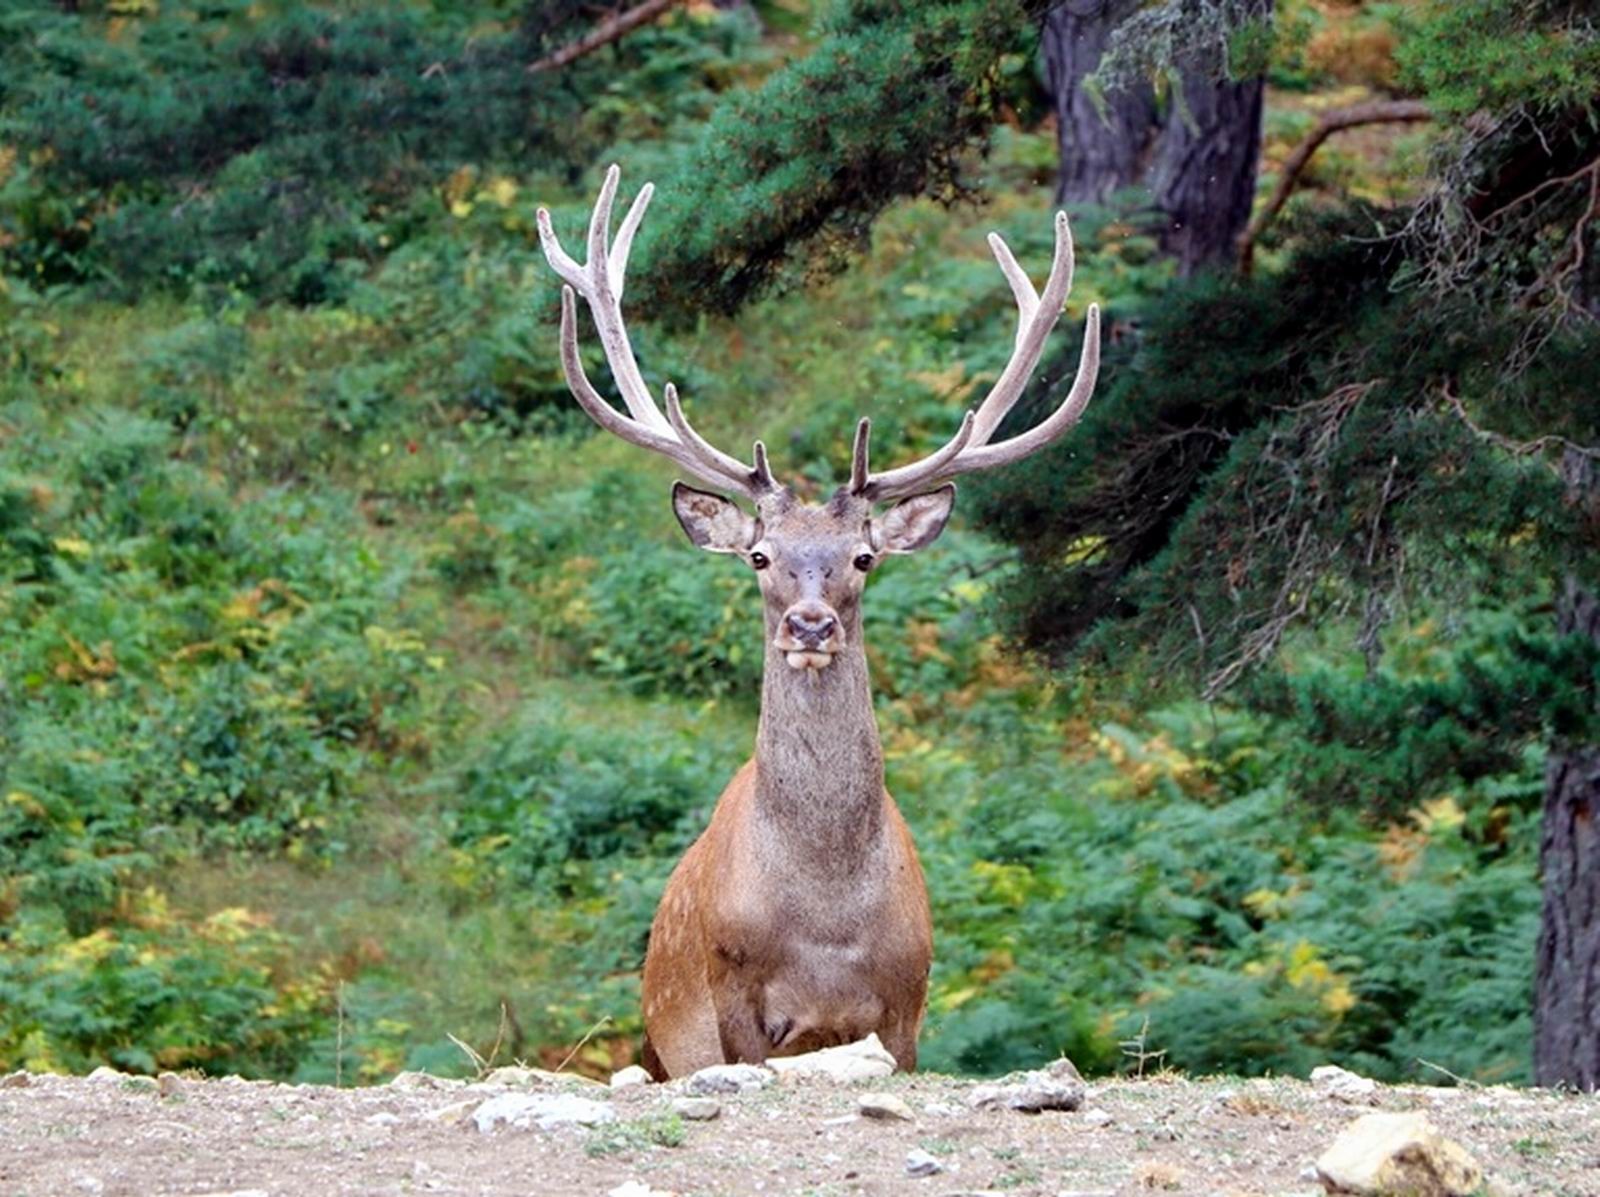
point(1345, 1086)
point(629, 1077)
point(547, 1111)
point(1387, 1155)
point(864, 1060)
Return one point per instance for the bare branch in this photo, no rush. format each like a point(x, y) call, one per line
point(611, 29)
point(1378, 112)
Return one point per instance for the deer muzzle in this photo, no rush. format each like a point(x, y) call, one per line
point(809, 635)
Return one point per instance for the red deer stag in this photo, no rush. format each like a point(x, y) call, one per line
point(799, 919)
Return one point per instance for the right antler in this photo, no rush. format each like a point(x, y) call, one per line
point(600, 280)
point(969, 449)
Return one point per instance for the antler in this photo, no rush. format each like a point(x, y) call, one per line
point(600, 281)
point(969, 449)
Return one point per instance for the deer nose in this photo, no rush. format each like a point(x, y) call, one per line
point(810, 630)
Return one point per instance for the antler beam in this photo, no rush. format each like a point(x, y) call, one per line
point(600, 281)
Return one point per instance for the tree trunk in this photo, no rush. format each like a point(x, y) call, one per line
point(1198, 160)
point(1101, 152)
point(1204, 176)
point(1566, 998)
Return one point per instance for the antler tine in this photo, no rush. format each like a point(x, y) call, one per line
point(919, 476)
point(600, 281)
point(969, 449)
point(860, 476)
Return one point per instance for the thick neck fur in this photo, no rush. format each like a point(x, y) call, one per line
point(819, 766)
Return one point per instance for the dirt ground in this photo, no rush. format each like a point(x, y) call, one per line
point(114, 1135)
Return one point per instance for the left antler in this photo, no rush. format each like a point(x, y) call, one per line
point(599, 280)
point(969, 449)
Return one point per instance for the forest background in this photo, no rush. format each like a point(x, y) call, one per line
point(356, 696)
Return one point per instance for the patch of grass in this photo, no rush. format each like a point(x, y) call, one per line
point(636, 1134)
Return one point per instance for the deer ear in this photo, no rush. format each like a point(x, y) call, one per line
point(712, 522)
point(914, 523)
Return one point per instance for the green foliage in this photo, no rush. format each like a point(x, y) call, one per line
point(883, 107)
point(1499, 55)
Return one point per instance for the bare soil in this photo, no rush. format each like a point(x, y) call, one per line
point(114, 1135)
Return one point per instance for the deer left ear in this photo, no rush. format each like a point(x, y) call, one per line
point(914, 523)
point(712, 522)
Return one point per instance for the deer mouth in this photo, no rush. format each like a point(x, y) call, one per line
point(807, 658)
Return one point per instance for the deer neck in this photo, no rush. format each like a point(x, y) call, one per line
point(819, 765)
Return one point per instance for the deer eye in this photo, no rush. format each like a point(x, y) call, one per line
point(759, 561)
point(864, 562)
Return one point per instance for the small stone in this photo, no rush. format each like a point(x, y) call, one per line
point(864, 1060)
point(424, 1081)
point(546, 1111)
point(1350, 1087)
point(940, 1109)
point(920, 1163)
point(1097, 1117)
point(516, 1077)
point(454, 1112)
point(729, 1078)
point(16, 1080)
point(697, 1109)
point(106, 1075)
point(629, 1077)
point(141, 1084)
point(1389, 1154)
point(637, 1188)
point(384, 1118)
point(885, 1107)
point(170, 1084)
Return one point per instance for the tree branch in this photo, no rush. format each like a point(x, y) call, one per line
point(603, 34)
point(1376, 113)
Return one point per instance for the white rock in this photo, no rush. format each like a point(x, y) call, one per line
point(547, 1111)
point(1337, 1083)
point(384, 1118)
point(697, 1109)
point(106, 1075)
point(1381, 1154)
point(629, 1077)
point(637, 1188)
point(1029, 1092)
point(864, 1060)
point(729, 1078)
point(886, 1107)
point(454, 1112)
point(940, 1109)
point(1097, 1117)
point(920, 1163)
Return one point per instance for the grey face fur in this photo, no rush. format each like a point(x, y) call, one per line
point(812, 561)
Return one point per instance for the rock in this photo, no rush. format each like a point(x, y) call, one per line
point(864, 1060)
point(697, 1109)
point(384, 1118)
point(454, 1112)
point(105, 1075)
point(517, 1077)
point(1335, 1082)
point(637, 1188)
point(547, 1111)
point(729, 1078)
point(16, 1080)
point(1065, 1070)
point(424, 1081)
point(1029, 1092)
point(1097, 1117)
point(920, 1163)
point(941, 1109)
point(630, 1077)
point(886, 1107)
point(170, 1084)
point(141, 1084)
point(1392, 1154)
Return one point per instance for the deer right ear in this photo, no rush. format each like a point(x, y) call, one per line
point(712, 522)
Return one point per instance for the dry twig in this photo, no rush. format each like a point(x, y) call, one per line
point(610, 30)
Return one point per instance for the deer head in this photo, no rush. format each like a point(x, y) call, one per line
point(811, 560)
